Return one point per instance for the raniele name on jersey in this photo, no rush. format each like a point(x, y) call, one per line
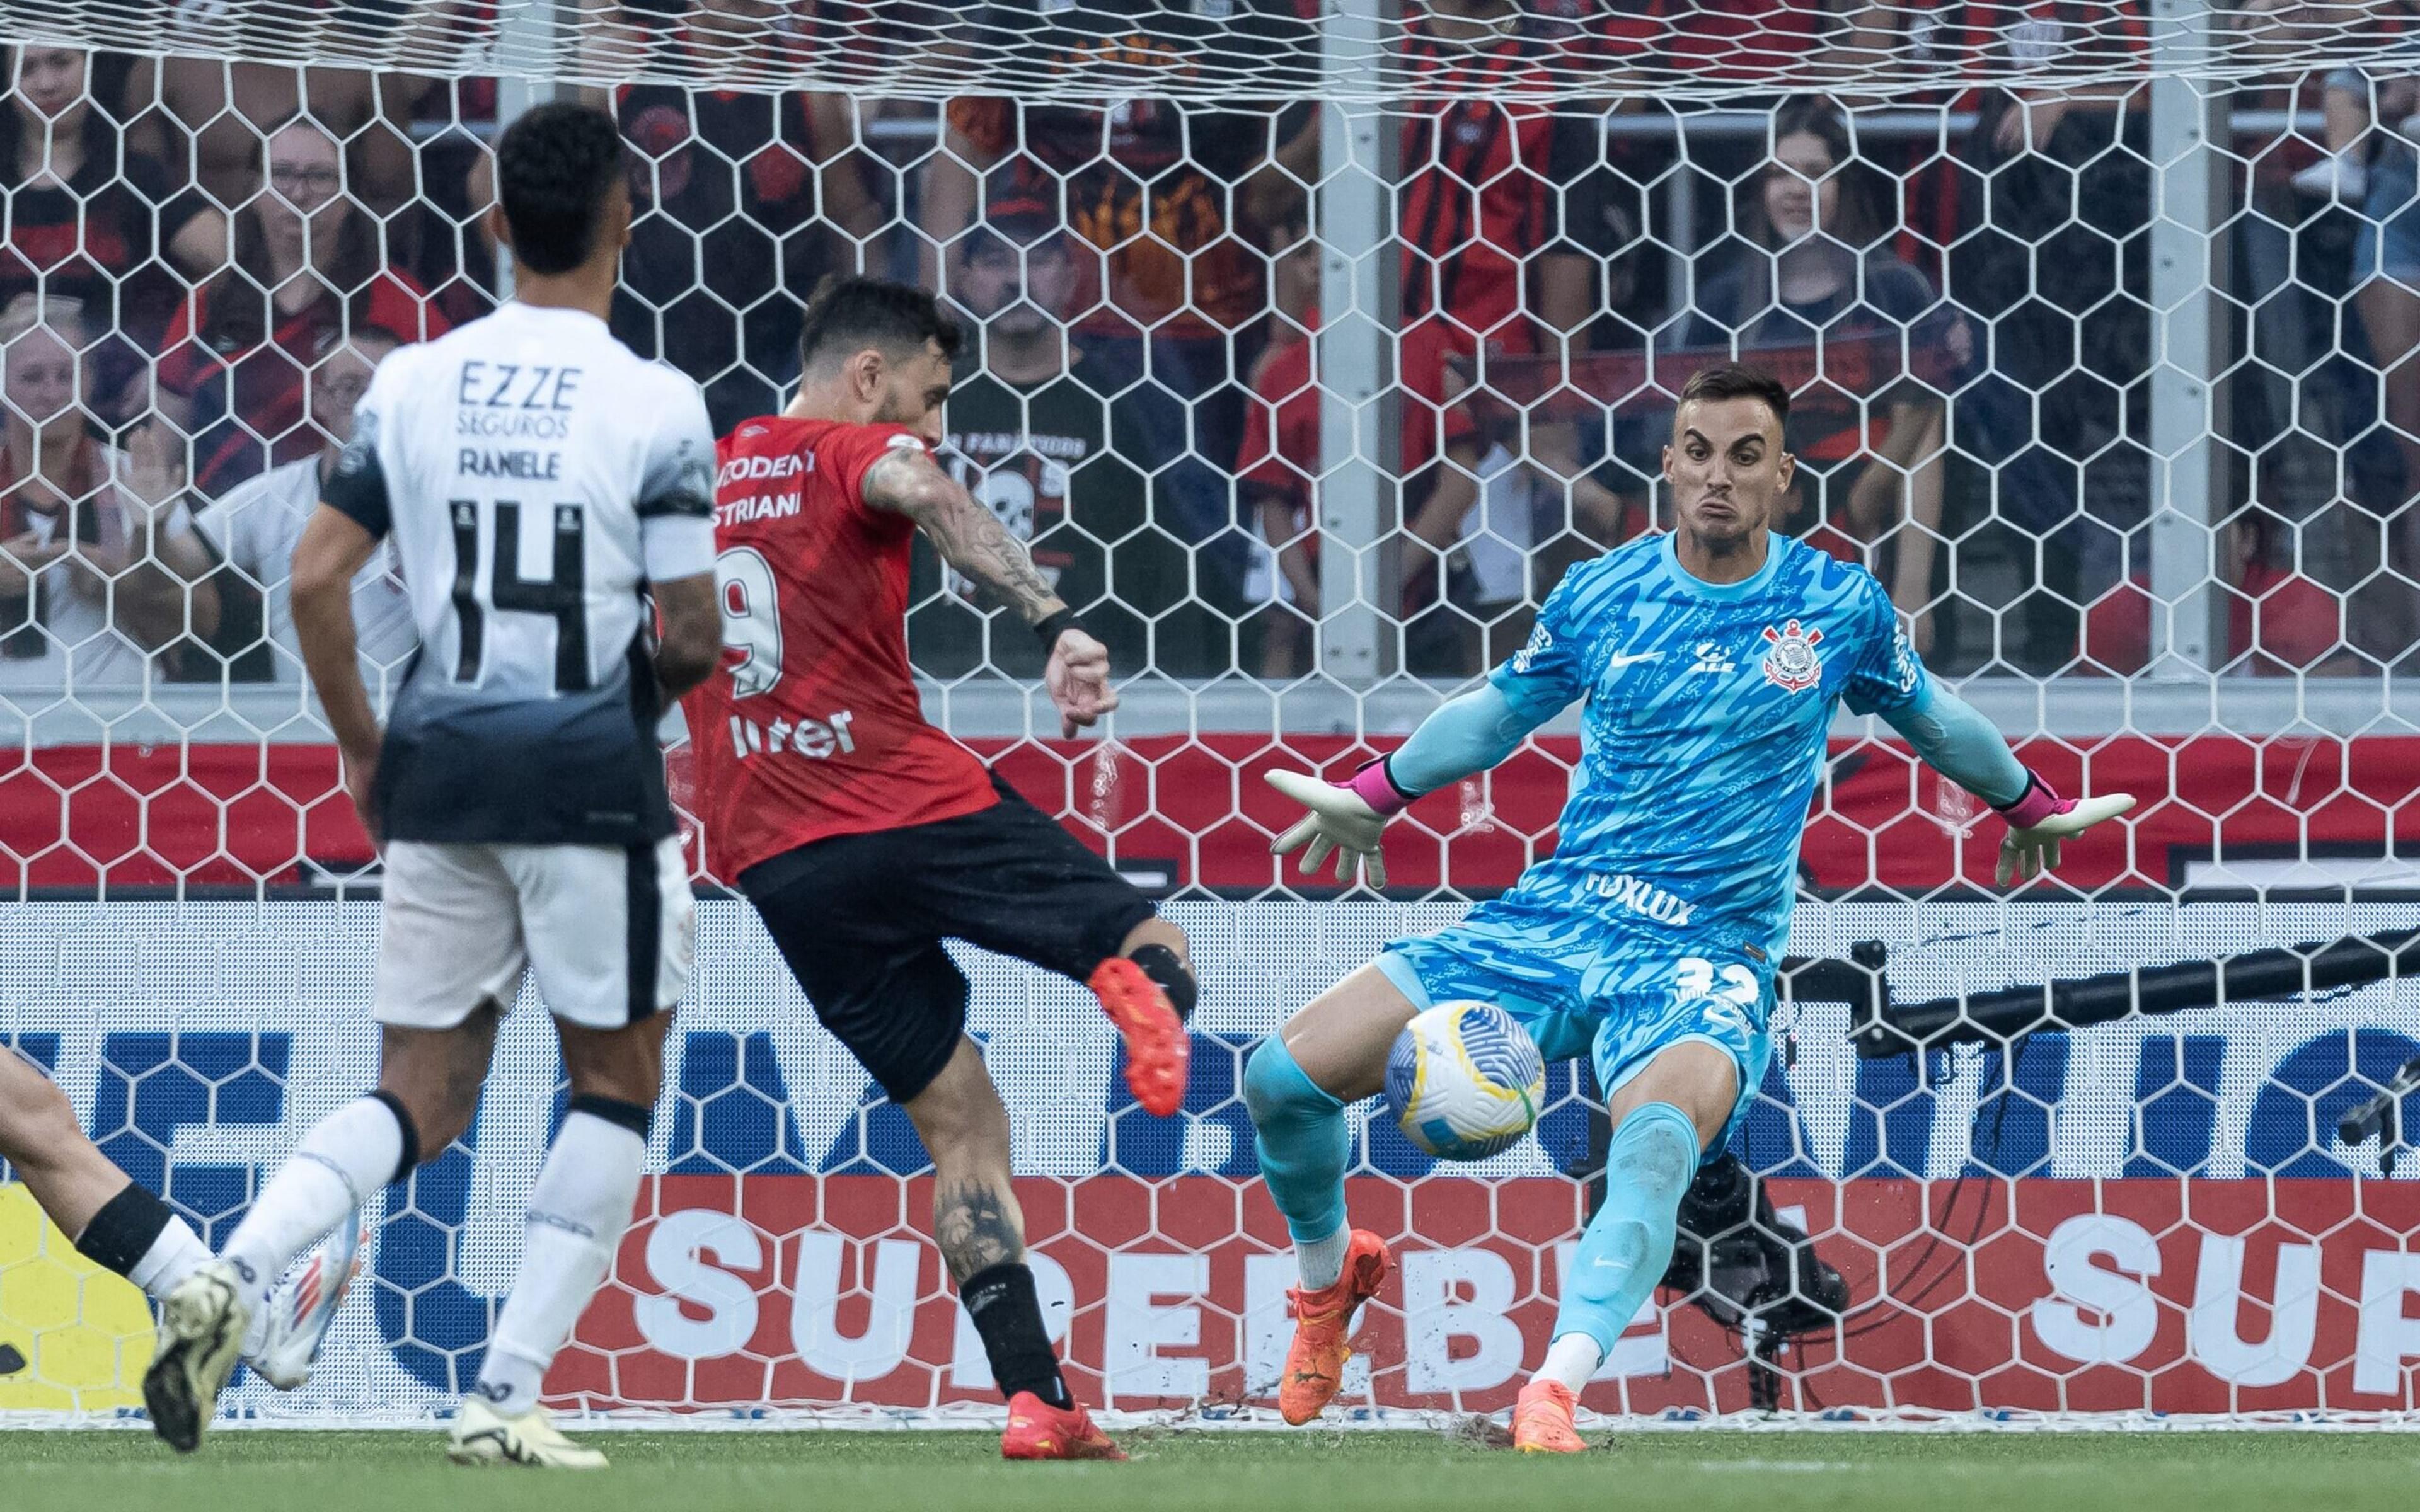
point(812, 727)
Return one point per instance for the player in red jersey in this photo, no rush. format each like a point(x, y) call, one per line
point(865, 837)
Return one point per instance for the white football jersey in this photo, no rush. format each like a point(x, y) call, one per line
point(536, 476)
point(254, 529)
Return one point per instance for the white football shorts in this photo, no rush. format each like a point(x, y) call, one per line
point(610, 929)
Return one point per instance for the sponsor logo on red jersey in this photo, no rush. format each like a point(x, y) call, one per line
point(814, 727)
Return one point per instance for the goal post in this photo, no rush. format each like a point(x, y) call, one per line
point(2189, 118)
point(1310, 343)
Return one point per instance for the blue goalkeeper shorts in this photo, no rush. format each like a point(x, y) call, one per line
point(1586, 985)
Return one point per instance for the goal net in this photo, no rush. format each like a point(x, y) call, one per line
point(1310, 344)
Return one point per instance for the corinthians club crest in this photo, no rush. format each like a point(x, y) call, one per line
point(1793, 664)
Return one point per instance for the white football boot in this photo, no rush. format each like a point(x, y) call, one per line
point(202, 1327)
point(483, 1436)
point(286, 1336)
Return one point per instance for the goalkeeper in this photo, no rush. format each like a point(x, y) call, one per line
point(1710, 660)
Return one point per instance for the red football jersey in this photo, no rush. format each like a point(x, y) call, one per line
point(811, 727)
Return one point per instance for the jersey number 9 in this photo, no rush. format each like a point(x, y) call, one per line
point(752, 620)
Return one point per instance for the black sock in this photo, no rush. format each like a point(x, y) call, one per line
point(1160, 965)
point(1008, 1315)
point(125, 1228)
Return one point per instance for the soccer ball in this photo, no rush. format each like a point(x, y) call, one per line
point(1464, 1081)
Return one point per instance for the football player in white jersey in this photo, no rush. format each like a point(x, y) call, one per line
point(538, 481)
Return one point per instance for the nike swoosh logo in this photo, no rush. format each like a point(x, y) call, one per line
point(1622, 660)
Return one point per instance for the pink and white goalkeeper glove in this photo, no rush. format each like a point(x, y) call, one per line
point(2039, 819)
point(1347, 818)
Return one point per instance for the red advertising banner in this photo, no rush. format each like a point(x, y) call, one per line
point(77, 817)
point(2034, 1295)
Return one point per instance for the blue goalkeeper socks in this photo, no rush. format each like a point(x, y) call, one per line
point(1629, 1243)
point(1299, 1131)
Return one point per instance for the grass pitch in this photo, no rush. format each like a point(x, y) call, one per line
point(1698, 1472)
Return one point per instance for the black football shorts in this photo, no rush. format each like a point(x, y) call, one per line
point(860, 920)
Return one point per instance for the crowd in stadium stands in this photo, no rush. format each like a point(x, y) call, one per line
point(97, 541)
point(224, 254)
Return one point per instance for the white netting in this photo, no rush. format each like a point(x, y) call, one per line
point(1225, 50)
point(2099, 318)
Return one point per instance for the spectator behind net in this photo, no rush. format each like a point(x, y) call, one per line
point(224, 109)
point(1280, 463)
point(96, 544)
point(91, 218)
point(1153, 189)
point(1820, 271)
point(1055, 433)
point(2044, 243)
point(307, 265)
point(243, 610)
point(1500, 228)
point(2376, 120)
point(762, 192)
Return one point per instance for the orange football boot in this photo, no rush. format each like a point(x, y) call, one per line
point(1037, 1430)
point(1323, 1327)
point(1158, 1049)
point(1542, 1420)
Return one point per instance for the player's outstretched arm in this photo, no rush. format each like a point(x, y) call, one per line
point(333, 547)
point(971, 539)
point(1958, 742)
point(1470, 734)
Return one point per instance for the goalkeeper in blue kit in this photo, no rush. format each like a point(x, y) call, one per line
point(1709, 661)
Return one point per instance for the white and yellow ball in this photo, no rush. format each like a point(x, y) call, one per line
point(1464, 1081)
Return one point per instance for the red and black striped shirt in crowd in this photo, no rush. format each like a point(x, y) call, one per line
point(102, 237)
point(1490, 180)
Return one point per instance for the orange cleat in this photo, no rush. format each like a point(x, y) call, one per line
point(1323, 1328)
point(1037, 1430)
point(1542, 1420)
point(1156, 1046)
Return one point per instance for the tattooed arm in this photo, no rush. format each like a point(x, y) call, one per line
point(968, 536)
point(971, 539)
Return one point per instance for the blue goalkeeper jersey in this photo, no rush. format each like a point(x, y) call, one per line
point(1703, 735)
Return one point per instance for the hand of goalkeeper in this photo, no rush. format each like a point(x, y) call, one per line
point(1347, 818)
point(2040, 819)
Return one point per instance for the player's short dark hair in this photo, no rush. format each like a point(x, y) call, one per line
point(555, 169)
point(848, 314)
point(1737, 381)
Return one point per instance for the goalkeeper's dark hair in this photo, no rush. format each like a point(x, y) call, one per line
point(1736, 380)
point(850, 314)
point(556, 167)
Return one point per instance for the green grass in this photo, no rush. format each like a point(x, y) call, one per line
point(845, 1471)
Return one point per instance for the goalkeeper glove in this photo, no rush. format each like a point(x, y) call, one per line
point(1346, 818)
point(2039, 819)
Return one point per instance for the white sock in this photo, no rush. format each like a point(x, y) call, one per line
point(578, 1213)
point(340, 1164)
point(1573, 1360)
point(1323, 1259)
point(178, 1253)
